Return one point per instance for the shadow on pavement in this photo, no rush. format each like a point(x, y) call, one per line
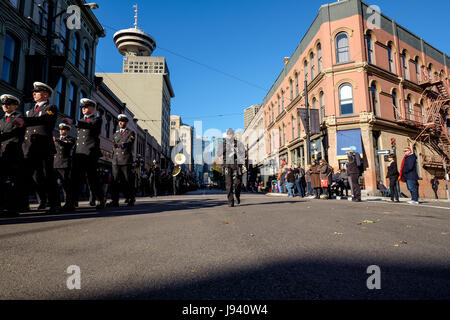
point(147, 207)
point(300, 279)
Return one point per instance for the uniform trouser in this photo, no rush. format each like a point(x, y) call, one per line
point(11, 185)
point(232, 178)
point(176, 185)
point(121, 175)
point(393, 186)
point(42, 174)
point(353, 179)
point(83, 166)
point(64, 174)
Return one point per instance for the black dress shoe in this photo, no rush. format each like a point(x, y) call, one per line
point(53, 210)
point(131, 202)
point(42, 206)
point(100, 206)
point(238, 200)
point(113, 204)
point(231, 204)
point(68, 208)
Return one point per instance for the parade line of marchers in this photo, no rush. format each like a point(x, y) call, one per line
point(228, 310)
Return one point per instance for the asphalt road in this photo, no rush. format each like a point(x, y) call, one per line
point(196, 247)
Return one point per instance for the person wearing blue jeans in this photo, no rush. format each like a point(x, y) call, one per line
point(409, 174)
point(299, 174)
point(290, 180)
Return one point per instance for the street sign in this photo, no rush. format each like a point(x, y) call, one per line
point(383, 152)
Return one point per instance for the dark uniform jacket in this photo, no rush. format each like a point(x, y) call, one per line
point(39, 123)
point(123, 154)
point(64, 149)
point(88, 136)
point(232, 153)
point(11, 138)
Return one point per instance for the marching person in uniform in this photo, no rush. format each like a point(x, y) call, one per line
point(63, 163)
point(155, 176)
point(122, 161)
point(231, 154)
point(39, 148)
point(87, 151)
point(11, 156)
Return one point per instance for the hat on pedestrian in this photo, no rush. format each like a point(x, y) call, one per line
point(64, 126)
point(122, 117)
point(9, 99)
point(40, 86)
point(85, 102)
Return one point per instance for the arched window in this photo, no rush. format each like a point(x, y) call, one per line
point(298, 126)
point(313, 103)
point(296, 84)
point(422, 112)
point(311, 59)
point(322, 106)
point(75, 50)
point(374, 99)
point(395, 104)
point(10, 59)
point(430, 71)
point(417, 69)
point(409, 105)
point(370, 57)
point(72, 101)
point(342, 48)
point(346, 99)
point(273, 118)
point(291, 90)
point(405, 64)
point(293, 127)
point(391, 58)
point(282, 100)
point(305, 67)
point(319, 58)
point(61, 93)
point(279, 104)
point(85, 61)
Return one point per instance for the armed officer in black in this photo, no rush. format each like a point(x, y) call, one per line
point(87, 151)
point(63, 163)
point(231, 155)
point(122, 161)
point(11, 156)
point(38, 146)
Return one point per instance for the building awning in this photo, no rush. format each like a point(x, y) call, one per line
point(349, 139)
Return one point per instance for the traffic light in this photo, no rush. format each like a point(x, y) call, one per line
point(393, 143)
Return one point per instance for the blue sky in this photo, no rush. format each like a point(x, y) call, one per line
point(242, 43)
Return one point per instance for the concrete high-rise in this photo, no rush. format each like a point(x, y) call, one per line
point(249, 114)
point(144, 83)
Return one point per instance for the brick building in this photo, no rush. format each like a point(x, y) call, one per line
point(362, 84)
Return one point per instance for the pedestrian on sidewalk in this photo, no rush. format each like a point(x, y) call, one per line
point(290, 181)
point(299, 175)
point(325, 178)
point(408, 174)
point(308, 180)
point(392, 175)
point(435, 186)
point(353, 171)
point(315, 179)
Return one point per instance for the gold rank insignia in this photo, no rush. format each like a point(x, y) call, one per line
point(50, 112)
point(131, 137)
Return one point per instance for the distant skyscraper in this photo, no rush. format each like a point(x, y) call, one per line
point(249, 113)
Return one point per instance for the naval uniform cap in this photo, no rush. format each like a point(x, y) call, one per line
point(64, 126)
point(40, 86)
point(87, 102)
point(122, 117)
point(9, 99)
